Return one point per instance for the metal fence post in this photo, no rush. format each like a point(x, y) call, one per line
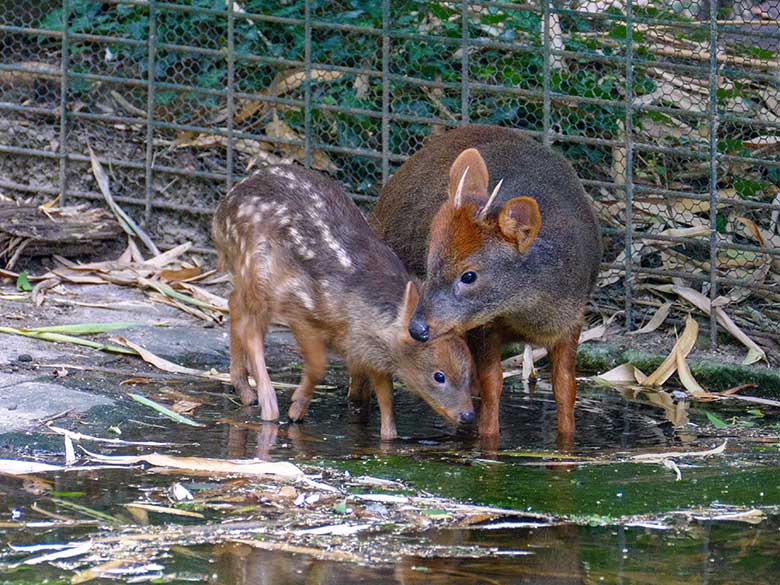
point(231, 76)
point(385, 91)
point(464, 63)
point(307, 83)
point(64, 64)
point(713, 139)
point(546, 112)
point(629, 163)
point(151, 65)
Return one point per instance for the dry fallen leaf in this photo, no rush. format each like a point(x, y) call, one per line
point(682, 347)
point(239, 466)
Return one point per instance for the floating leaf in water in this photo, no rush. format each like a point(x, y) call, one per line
point(86, 511)
point(165, 411)
point(239, 466)
point(715, 421)
point(165, 510)
point(435, 513)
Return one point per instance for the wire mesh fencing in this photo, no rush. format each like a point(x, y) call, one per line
point(668, 109)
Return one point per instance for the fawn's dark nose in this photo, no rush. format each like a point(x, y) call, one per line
point(466, 418)
point(419, 331)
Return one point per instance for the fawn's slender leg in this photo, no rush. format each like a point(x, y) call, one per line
point(563, 358)
point(383, 387)
point(315, 360)
point(359, 390)
point(485, 346)
point(255, 339)
point(239, 373)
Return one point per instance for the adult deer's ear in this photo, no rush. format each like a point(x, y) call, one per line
point(408, 305)
point(519, 221)
point(468, 178)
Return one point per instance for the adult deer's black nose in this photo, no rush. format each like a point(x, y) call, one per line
point(466, 417)
point(419, 331)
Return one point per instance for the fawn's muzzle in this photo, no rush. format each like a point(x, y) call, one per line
point(419, 330)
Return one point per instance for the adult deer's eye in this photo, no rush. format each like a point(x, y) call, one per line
point(468, 277)
point(439, 378)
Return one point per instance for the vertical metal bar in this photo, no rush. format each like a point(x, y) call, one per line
point(464, 63)
point(546, 113)
point(231, 77)
point(64, 65)
point(307, 84)
point(713, 129)
point(385, 91)
point(151, 65)
point(629, 162)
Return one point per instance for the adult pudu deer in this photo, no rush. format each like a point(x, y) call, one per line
point(505, 237)
point(301, 254)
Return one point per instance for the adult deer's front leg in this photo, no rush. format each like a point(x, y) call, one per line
point(563, 359)
point(485, 346)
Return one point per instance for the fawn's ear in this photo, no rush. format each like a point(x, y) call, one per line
point(520, 221)
point(468, 177)
point(408, 305)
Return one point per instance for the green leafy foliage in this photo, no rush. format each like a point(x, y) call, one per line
point(22, 283)
point(508, 83)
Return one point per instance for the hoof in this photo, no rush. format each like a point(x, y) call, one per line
point(298, 410)
point(389, 434)
point(247, 397)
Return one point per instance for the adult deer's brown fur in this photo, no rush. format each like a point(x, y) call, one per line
point(487, 201)
point(301, 254)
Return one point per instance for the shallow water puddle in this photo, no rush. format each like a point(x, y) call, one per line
point(592, 515)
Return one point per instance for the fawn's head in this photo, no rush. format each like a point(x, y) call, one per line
point(440, 372)
point(475, 249)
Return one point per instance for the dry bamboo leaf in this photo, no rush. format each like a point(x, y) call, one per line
point(81, 437)
point(623, 374)
point(164, 510)
point(214, 301)
point(15, 467)
point(99, 571)
point(656, 321)
point(698, 300)
point(239, 466)
point(184, 406)
point(658, 457)
point(161, 260)
point(683, 347)
point(70, 452)
point(752, 228)
point(180, 273)
point(278, 128)
point(77, 278)
point(127, 223)
point(173, 368)
point(687, 379)
point(157, 361)
point(72, 550)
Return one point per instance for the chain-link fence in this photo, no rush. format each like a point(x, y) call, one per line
point(676, 134)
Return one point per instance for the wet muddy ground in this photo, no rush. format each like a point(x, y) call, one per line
point(431, 507)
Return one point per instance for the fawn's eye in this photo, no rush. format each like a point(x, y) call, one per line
point(439, 378)
point(468, 277)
